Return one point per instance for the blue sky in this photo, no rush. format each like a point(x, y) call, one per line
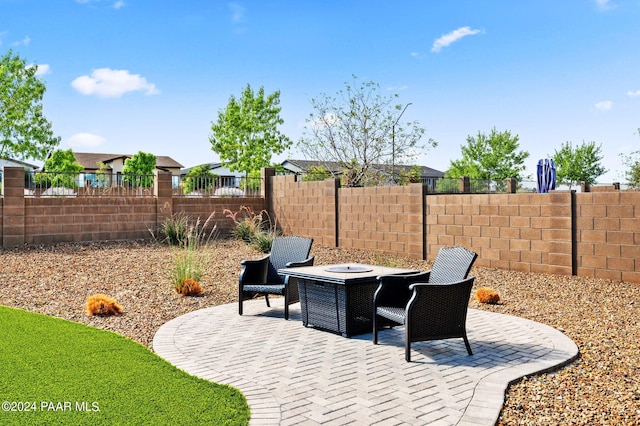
point(139, 75)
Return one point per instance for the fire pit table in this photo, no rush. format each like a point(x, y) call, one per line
point(339, 298)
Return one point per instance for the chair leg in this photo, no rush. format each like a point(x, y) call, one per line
point(375, 329)
point(240, 300)
point(266, 297)
point(466, 343)
point(286, 305)
point(407, 340)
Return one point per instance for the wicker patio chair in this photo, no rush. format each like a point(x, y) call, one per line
point(431, 305)
point(260, 277)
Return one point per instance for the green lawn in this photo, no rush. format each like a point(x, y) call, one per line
point(54, 371)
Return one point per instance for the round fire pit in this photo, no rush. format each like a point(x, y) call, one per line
point(349, 269)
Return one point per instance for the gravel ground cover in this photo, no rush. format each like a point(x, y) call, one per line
point(602, 387)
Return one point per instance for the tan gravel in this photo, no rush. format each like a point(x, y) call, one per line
point(601, 388)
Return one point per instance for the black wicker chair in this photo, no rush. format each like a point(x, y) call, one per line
point(260, 277)
point(431, 305)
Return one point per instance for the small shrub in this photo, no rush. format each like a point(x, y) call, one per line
point(103, 305)
point(263, 240)
point(178, 230)
point(487, 295)
point(174, 229)
point(247, 223)
point(189, 287)
point(188, 264)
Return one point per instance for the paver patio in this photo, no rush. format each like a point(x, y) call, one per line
point(292, 375)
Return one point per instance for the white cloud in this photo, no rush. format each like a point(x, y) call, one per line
point(604, 105)
point(108, 83)
point(86, 139)
point(237, 12)
point(24, 42)
point(605, 4)
point(43, 69)
point(633, 94)
point(397, 88)
point(117, 4)
point(452, 37)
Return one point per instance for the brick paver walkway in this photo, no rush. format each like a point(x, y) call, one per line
point(292, 375)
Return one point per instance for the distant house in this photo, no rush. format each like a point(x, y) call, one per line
point(427, 174)
point(115, 164)
point(8, 162)
point(225, 176)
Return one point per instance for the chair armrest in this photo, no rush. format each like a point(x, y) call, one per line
point(254, 271)
point(393, 290)
point(444, 298)
point(307, 262)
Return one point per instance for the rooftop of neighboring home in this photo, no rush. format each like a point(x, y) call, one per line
point(302, 166)
point(9, 162)
point(91, 161)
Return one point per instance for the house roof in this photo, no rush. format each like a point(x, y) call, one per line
point(90, 160)
point(16, 163)
point(301, 166)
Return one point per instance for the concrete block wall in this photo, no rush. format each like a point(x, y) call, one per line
point(591, 234)
point(522, 232)
point(47, 220)
point(306, 208)
point(382, 219)
point(53, 220)
point(608, 235)
point(588, 234)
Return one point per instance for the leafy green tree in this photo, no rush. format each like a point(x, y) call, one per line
point(495, 156)
point(316, 173)
point(246, 134)
point(358, 129)
point(198, 178)
point(632, 161)
point(582, 163)
point(61, 170)
point(24, 131)
point(138, 170)
point(411, 176)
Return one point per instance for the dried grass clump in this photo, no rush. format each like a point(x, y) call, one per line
point(189, 287)
point(487, 295)
point(103, 305)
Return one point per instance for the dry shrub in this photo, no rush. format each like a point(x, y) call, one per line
point(487, 295)
point(101, 304)
point(189, 287)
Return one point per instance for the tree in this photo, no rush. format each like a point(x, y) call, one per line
point(198, 178)
point(24, 131)
point(359, 128)
point(246, 134)
point(632, 161)
point(61, 169)
point(138, 170)
point(578, 164)
point(316, 173)
point(494, 157)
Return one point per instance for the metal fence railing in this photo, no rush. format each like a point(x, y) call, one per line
point(216, 186)
point(62, 184)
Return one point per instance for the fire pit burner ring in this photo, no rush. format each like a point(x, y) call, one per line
point(349, 269)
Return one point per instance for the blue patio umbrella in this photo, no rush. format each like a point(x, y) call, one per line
point(546, 174)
